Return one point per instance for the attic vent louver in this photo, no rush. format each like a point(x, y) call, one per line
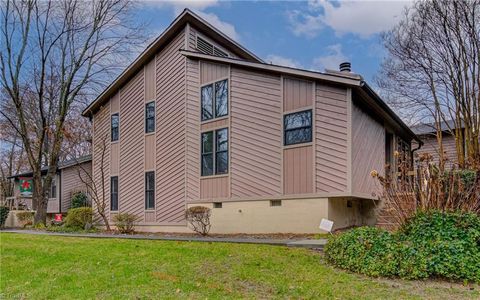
point(208, 48)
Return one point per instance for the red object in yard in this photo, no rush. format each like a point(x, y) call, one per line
point(58, 217)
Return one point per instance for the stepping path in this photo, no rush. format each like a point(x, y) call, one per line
point(313, 244)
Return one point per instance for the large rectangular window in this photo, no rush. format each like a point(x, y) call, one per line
point(114, 125)
point(150, 117)
point(150, 190)
point(297, 127)
point(114, 193)
point(215, 152)
point(214, 100)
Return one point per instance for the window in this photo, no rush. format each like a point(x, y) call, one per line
point(214, 100)
point(297, 127)
point(53, 189)
point(150, 117)
point(217, 204)
point(114, 127)
point(150, 190)
point(114, 193)
point(275, 202)
point(215, 152)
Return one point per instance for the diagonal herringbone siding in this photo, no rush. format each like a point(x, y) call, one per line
point(131, 177)
point(170, 132)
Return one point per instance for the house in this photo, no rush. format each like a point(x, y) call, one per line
point(197, 119)
point(70, 178)
point(428, 134)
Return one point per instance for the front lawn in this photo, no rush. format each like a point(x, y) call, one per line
point(47, 267)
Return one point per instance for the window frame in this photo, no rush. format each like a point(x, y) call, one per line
point(285, 131)
point(117, 127)
point(215, 152)
point(112, 179)
point(215, 114)
point(147, 118)
point(53, 188)
point(149, 191)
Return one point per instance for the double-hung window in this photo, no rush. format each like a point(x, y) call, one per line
point(297, 127)
point(114, 193)
point(114, 125)
point(150, 190)
point(215, 152)
point(150, 117)
point(214, 100)
point(53, 189)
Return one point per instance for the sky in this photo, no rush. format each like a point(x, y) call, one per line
point(312, 35)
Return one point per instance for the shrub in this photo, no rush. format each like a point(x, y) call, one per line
point(366, 250)
point(429, 244)
point(25, 217)
point(3, 215)
point(80, 199)
point(125, 222)
point(79, 217)
point(199, 218)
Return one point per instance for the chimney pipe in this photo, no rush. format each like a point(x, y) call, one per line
point(346, 67)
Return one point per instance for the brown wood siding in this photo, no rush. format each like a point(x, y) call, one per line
point(115, 104)
point(449, 147)
point(170, 132)
point(101, 139)
point(256, 134)
point(150, 81)
point(216, 187)
point(298, 170)
point(215, 124)
point(192, 157)
point(131, 176)
point(368, 151)
point(331, 138)
point(71, 182)
point(210, 72)
point(115, 157)
point(297, 94)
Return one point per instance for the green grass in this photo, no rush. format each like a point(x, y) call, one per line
point(52, 267)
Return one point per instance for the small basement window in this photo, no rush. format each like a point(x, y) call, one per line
point(275, 202)
point(217, 204)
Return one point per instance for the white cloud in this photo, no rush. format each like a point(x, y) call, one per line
point(363, 18)
point(331, 60)
point(224, 27)
point(282, 61)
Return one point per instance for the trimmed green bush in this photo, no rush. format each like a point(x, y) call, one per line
point(80, 199)
point(430, 244)
point(3, 215)
point(79, 217)
point(125, 222)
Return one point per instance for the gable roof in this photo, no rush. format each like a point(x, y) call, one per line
point(352, 80)
point(430, 128)
point(61, 165)
point(186, 17)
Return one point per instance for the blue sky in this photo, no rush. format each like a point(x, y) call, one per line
point(309, 34)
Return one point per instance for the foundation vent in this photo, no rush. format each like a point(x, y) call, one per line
point(275, 202)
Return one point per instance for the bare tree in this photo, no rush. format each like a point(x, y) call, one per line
point(52, 53)
point(97, 188)
point(432, 71)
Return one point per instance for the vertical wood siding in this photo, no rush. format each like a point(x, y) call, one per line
point(210, 72)
point(192, 192)
point(368, 151)
point(150, 152)
point(331, 122)
point(101, 135)
point(71, 182)
point(131, 178)
point(150, 81)
point(296, 94)
point(431, 146)
point(298, 170)
point(170, 132)
point(216, 187)
point(256, 138)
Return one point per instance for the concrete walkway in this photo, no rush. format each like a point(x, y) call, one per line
point(313, 244)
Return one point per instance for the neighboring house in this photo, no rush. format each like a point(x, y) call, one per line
point(428, 134)
point(197, 119)
point(65, 183)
